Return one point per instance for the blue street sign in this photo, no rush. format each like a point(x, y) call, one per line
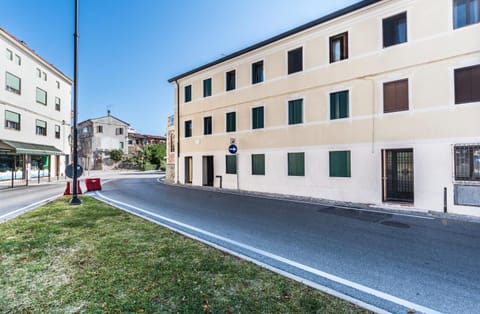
point(232, 149)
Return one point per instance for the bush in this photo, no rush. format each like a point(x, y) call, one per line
point(116, 154)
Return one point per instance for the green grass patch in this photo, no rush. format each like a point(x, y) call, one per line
point(94, 258)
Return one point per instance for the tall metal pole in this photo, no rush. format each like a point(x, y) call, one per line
point(75, 200)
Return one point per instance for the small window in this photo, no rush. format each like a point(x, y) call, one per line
point(57, 103)
point(99, 128)
point(188, 128)
point(257, 72)
point(395, 30)
point(41, 96)
point(231, 121)
point(39, 73)
point(296, 164)
point(207, 125)
point(295, 111)
point(58, 84)
point(340, 164)
point(230, 80)
point(257, 118)
point(41, 127)
point(13, 83)
point(18, 60)
point(207, 87)
point(172, 142)
point(231, 164)
point(119, 131)
point(465, 12)
point(12, 120)
point(467, 163)
point(395, 96)
point(339, 47)
point(258, 164)
point(295, 60)
point(188, 93)
point(122, 145)
point(467, 84)
point(57, 131)
point(339, 105)
point(9, 55)
point(44, 76)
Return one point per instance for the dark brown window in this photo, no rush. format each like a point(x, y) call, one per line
point(295, 60)
point(188, 128)
point(395, 96)
point(395, 30)
point(207, 125)
point(338, 47)
point(467, 84)
point(230, 80)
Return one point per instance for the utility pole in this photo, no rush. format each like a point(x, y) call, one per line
point(75, 200)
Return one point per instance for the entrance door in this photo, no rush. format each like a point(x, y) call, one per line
point(208, 170)
point(397, 175)
point(188, 169)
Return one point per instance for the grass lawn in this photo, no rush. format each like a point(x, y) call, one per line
point(95, 258)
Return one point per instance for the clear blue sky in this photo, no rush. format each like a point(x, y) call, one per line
point(128, 49)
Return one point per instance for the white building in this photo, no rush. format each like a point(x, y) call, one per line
point(35, 105)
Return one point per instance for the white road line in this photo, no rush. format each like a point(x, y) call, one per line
point(348, 283)
point(31, 206)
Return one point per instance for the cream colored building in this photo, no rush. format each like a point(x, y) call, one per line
point(378, 103)
point(35, 108)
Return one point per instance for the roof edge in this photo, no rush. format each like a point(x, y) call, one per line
point(336, 14)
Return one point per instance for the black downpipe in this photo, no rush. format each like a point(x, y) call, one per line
point(444, 200)
point(177, 136)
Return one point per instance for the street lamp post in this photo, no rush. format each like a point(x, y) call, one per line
point(75, 200)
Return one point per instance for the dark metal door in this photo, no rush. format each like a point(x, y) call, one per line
point(208, 167)
point(398, 175)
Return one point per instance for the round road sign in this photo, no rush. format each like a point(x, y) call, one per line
point(233, 149)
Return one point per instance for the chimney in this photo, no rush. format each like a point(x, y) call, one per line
point(108, 112)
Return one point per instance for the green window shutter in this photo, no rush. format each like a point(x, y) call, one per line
point(231, 164)
point(295, 111)
point(12, 116)
point(231, 122)
point(257, 118)
point(258, 164)
point(188, 93)
point(339, 105)
point(41, 123)
point(13, 81)
point(207, 87)
point(343, 99)
point(296, 164)
point(340, 164)
point(41, 96)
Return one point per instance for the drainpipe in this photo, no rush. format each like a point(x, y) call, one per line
point(177, 136)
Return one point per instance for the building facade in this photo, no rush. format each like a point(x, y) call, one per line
point(170, 150)
point(378, 103)
point(97, 137)
point(35, 108)
point(137, 142)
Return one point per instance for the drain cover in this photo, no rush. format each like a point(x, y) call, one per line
point(395, 224)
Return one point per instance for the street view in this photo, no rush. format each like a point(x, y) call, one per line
point(184, 158)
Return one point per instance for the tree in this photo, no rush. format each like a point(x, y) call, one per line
point(155, 153)
point(116, 154)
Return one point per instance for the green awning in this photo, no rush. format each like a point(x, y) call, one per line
point(13, 147)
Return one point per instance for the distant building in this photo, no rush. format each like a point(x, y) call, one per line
point(137, 141)
point(99, 136)
point(377, 103)
point(170, 149)
point(35, 105)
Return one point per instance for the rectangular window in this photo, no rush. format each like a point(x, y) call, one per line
point(188, 93)
point(207, 125)
point(339, 47)
point(257, 118)
point(465, 12)
point(57, 103)
point(119, 131)
point(207, 87)
point(467, 84)
point(41, 127)
point(188, 128)
point(467, 163)
point(257, 72)
point(41, 96)
point(231, 121)
point(122, 145)
point(18, 60)
point(295, 60)
point(395, 30)
point(12, 120)
point(296, 164)
point(395, 96)
point(99, 128)
point(39, 73)
point(340, 164)
point(13, 83)
point(58, 84)
point(57, 131)
point(45, 76)
point(258, 164)
point(295, 111)
point(231, 164)
point(339, 105)
point(230, 80)
point(9, 55)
